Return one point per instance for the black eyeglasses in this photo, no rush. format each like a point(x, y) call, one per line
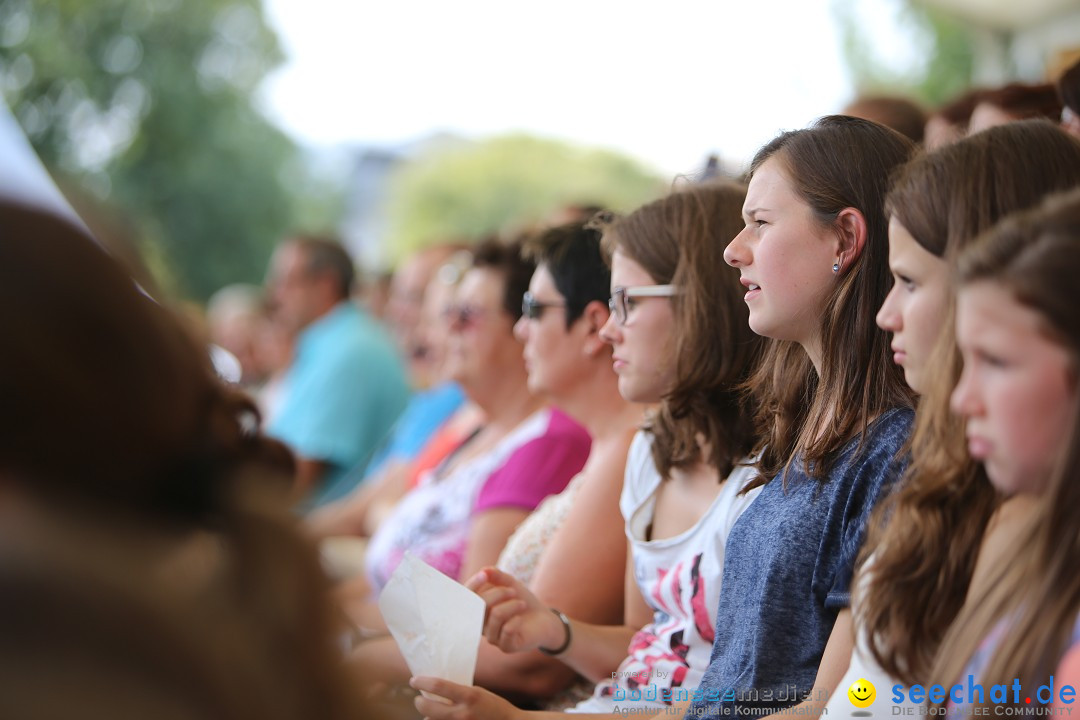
point(533, 308)
point(619, 304)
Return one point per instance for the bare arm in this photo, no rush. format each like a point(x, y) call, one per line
point(488, 534)
point(527, 676)
point(584, 585)
point(356, 602)
point(536, 674)
point(588, 585)
point(637, 613)
point(517, 621)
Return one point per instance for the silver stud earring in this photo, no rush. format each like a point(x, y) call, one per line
point(836, 266)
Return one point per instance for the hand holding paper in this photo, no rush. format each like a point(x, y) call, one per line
point(458, 702)
point(516, 619)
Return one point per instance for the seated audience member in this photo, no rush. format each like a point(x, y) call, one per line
point(834, 413)
point(434, 398)
point(1015, 101)
point(274, 346)
point(932, 542)
point(679, 335)
point(1068, 87)
point(149, 563)
point(899, 113)
point(1017, 330)
point(345, 387)
point(442, 408)
point(569, 364)
point(405, 306)
point(232, 318)
point(459, 518)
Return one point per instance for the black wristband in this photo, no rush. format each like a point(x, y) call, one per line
point(566, 642)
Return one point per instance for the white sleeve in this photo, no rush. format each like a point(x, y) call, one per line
point(641, 477)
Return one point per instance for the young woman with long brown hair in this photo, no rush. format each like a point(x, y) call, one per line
point(925, 538)
point(1019, 334)
point(834, 413)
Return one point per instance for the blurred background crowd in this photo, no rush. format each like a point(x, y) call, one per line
point(193, 172)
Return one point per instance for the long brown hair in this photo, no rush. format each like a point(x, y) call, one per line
point(114, 423)
point(680, 240)
point(925, 537)
point(837, 163)
point(1034, 255)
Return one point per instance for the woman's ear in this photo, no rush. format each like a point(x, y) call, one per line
point(595, 315)
point(851, 236)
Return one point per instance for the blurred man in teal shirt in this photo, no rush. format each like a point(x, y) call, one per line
point(346, 385)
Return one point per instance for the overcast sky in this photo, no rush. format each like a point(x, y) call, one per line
point(667, 83)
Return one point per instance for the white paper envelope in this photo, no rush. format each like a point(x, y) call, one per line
point(436, 621)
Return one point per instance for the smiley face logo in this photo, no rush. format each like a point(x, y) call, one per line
point(861, 693)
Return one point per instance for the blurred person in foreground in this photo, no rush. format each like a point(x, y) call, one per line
point(149, 564)
point(345, 387)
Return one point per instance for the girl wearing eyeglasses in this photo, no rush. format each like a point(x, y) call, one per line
point(680, 338)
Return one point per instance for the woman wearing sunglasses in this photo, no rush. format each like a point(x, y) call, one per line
point(460, 515)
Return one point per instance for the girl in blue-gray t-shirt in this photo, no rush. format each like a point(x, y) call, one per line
point(835, 413)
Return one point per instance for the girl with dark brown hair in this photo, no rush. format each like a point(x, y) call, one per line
point(930, 540)
point(833, 414)
point(1019, 335)
point(680, 338)
point(149, 564)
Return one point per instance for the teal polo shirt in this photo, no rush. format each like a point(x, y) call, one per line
point(344, 390)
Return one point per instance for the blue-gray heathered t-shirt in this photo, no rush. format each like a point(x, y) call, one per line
point(787, 572)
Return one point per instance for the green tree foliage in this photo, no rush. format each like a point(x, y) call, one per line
point(944, 48)
point(467, 190)
point(148, 105)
